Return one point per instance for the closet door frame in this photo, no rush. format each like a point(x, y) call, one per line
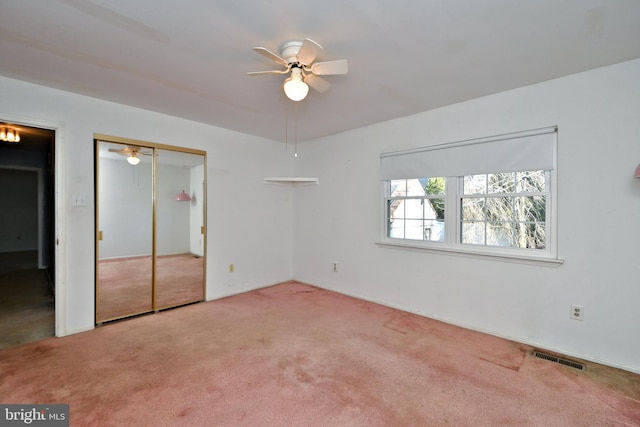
point(154, 146)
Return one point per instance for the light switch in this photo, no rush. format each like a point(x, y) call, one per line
point(78, 200)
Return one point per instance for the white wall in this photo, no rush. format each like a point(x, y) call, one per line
point(598, 115)
point(249, 224)
point(125, 208)
point(173, 217)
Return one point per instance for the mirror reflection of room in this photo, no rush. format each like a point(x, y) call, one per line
point(180, 222)
point(147, 262)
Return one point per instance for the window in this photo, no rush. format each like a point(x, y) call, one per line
point(504, 210)
point(492, 195)
point(415, 209)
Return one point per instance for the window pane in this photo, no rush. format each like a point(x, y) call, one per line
point(473, 209)
point(434, 230)
point(396, 219)
point(434, 208)
point(434, 186)
point(475, 184)
point(398, 187)
point(531, 181)
point(530, 235)
point(501, 183)
point(396, 230)
point(413, 216)
point(412, 208)
point(415, 187)
point(415, 219)
point(530, 209)
point(500, 234)
point(414, 229)
point(514, 221)
point(500, 208)
point(473, 233)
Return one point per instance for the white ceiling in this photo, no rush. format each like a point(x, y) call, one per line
point(189, 58)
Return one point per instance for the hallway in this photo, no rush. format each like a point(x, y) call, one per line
point(26, 300)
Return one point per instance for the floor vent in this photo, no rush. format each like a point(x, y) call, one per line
point(560, 360)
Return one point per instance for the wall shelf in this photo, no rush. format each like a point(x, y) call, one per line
point(290, 180)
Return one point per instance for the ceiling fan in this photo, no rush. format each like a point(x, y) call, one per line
point(297, 58)
point(131, 153)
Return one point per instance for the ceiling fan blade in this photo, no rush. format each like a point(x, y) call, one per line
point(122, 151)
point(330, 67)
point(308, 51)
point(318, 83)
point(270, 55)
point(258, 73)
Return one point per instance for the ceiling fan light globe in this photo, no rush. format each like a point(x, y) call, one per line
point(295, 89)
point(133, 160)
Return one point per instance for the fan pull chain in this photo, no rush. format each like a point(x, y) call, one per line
point(286, 124)
point(295, 137)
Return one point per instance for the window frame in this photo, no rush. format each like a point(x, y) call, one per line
point(388, 198)
point(454, 185)
point(548, 206)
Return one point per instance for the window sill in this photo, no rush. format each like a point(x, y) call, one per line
point(493, 256)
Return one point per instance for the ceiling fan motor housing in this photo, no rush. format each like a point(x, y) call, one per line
point(289, 51)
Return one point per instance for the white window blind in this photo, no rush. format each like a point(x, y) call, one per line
point(522, 151)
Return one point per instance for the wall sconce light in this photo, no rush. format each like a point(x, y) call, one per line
point(183, 197)
point(637, 173)
point(8, 134)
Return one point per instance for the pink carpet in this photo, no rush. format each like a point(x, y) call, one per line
point(295, 355)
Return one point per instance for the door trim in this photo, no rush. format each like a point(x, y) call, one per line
point(60, 253)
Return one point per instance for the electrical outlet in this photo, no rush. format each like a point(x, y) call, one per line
point(231, 268)
point(577, 312)
point(335, 266)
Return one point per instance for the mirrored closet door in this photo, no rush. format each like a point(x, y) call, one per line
point(180, 229)
point(150, 227)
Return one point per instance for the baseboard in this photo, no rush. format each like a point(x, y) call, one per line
point(76, 331)
point(537, 345)
point(244, 290)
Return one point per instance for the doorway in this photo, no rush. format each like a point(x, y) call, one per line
point(150, 231)
point(27, 234)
